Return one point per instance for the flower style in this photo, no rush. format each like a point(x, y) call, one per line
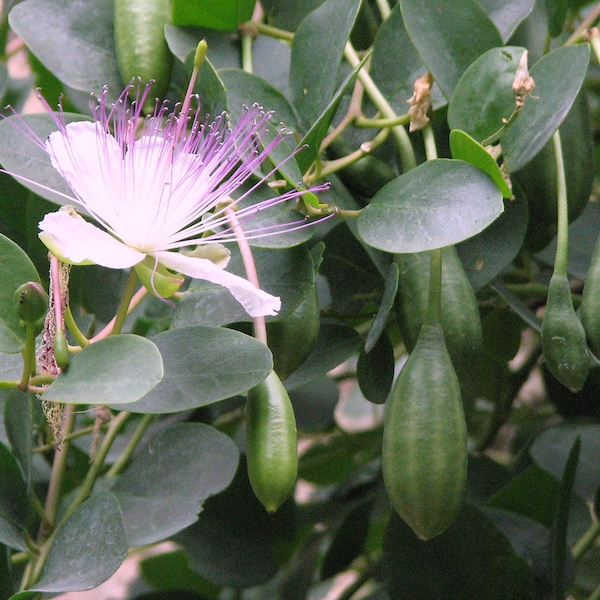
point(159, 184)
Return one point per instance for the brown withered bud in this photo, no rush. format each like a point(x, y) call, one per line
point(420, 102)
point(523, 83)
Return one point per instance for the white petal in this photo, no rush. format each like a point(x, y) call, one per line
point(91, 162)
point(72, 239)
point(256, 302)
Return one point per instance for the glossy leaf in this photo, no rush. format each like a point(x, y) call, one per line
point(464, 147)
point(31, 165)
point(15, 269)
point(396, 64)
point(318, 130)
point(285, 273)
point(558, 78)
point(336, 343)
point(215, 14)
point(471, 555)
point(203, 365)
point(163, 488)
point(551, 448)
point(437, 30)
point(87, 549)
point(235, 541)
point(119, 369)
point(485, 255)
point(316, 42)
point(439, 203)
point(18, 422)
point(484, 99)
point(506, 16)
point(74, 40)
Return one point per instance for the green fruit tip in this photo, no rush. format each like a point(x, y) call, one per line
point(31, 301)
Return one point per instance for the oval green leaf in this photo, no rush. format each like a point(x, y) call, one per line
point(464, 147)
point(437, 30)
point(74, 40)
point(15, 269)
point(558, 78)
point(317, 42)
point(87, 549)
point(484, 99)
point(163, 489)
point(507, 15)
point(439, 203)
point(224, 15)
point(118, 369)
point(203, 365)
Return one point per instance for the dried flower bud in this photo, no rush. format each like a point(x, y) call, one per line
point(420, 102)
point(523, 83)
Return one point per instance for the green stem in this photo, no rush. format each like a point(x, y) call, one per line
point(587, 22)
point(274, 32)
point(59, 466)
point(74, 329)
point(247, 39)
point(84, 491)
point(123, 309)
point(28, 356)
point(384, 8)
point(122, 461)
point(581, 546)
point(434, 301)
point(366, 123)
point(562, 236)
point(7, 384)
point(429, 140)
point(407, 152)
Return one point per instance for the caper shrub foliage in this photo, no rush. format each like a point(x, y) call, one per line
point(435, 358)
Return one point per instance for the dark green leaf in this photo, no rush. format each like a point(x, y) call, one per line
point(507, 15)
point(235, 541)
point(215, 14)
point(559, 541)
point(203, 365)
point(437, 30)
point(396, 64)
point(556, 11)
point(387, 303)
point(318, 130)
point(485, 255)
point(471, 556)
point(532, 493)
point(87, 549)
point(28, 161)
point(115, 370)
point(15, 269)
point(13, 491)
point(287, 273)
point(317, 42)
point(74, 40)
point(439, 203)
point(558, 78)
point(551, 449)
point(18, 421)
point(336, 343)
point(6, 588)
point(163, 489)
point(484, 98)
point(375, 370)
point(170, 571)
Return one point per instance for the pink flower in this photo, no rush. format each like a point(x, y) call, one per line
point(160, 184)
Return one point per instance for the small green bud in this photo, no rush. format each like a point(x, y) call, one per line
point(31, 301)
point(61, 349)
point(200, 55)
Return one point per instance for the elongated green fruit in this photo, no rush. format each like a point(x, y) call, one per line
point(424, 454)
point(563, 337)
point(589, 311)
point(292, 338)
point(271, 442)
point(140, 44)
point(459, 311)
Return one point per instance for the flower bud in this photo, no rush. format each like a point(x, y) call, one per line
point(31, 301)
